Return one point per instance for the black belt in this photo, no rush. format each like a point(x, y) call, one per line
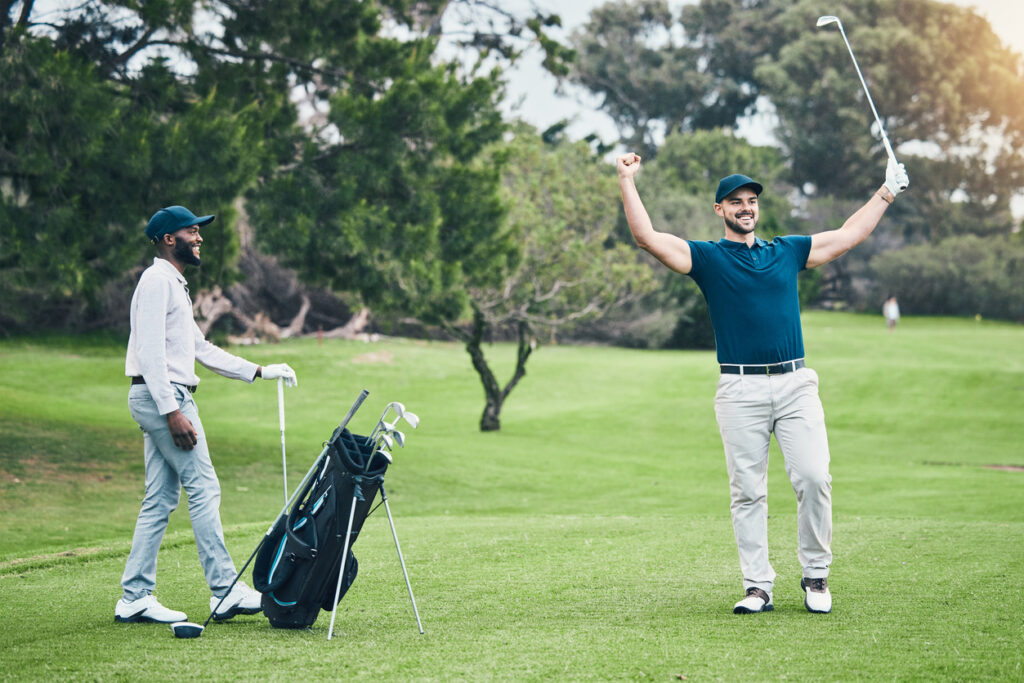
point(139, 380)
point(777, 369)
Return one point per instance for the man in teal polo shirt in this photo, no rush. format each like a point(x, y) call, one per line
point(765, 387)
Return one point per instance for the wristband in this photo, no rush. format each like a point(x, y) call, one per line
point(886, 194)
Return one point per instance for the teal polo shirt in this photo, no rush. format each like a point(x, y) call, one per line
point(752, 297)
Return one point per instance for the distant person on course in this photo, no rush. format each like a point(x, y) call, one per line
point(164, 345)
point(891, 311)
point(751, 290)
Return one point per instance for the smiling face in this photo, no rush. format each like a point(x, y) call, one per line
point(739, 211)
point(185, 247)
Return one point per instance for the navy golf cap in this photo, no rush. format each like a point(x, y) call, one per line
point(172, 219)
point(731, 183)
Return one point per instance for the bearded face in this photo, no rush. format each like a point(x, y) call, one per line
point(186, 246)
point(739, 211)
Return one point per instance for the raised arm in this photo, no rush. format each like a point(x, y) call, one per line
point(671, 250)
point(826, 246)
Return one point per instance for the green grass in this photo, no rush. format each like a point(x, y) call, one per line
point(588, 540)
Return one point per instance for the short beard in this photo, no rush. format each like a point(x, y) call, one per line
point(183, 253)
point(738, 228)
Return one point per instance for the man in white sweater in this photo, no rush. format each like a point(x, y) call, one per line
point(164, 345)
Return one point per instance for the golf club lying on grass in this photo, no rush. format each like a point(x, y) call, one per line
point(829, 19)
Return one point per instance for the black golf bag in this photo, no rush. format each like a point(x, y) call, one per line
point(298, 564)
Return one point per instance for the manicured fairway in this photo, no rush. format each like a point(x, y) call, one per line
point(588, 540)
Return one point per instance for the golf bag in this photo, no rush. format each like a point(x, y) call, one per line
point(297, 566)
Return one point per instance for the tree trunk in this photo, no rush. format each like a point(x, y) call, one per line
point(494, 395)
point(489, 421)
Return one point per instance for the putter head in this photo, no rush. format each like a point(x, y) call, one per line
point(828, 19)
point(412, 418)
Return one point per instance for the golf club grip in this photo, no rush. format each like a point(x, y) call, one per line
point(355, 406)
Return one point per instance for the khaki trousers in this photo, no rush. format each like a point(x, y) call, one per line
point(750, 408)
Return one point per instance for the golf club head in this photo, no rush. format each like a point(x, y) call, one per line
point(384, 438)
point(828, 19)
point(399, 437)
point(186, 629)
point(399, 409)
point(386, 455)
point(412, 418)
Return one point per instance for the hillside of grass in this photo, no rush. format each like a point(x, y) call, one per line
point(589, 539)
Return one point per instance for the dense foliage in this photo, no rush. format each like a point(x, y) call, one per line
point(358, 149)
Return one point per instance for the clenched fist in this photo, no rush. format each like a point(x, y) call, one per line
point(628, 164)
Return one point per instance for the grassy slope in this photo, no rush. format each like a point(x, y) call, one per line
point(589, 539)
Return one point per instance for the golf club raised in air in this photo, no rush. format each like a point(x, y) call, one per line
point(829, 19)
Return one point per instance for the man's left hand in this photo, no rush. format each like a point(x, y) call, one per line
point(896, 178)
point(281, 371)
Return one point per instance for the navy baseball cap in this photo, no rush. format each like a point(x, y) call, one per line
point(731, 183)
point(172, 219)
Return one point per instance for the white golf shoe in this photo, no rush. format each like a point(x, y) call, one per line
point(146, 609)
point(241, 600)
point(818, 598)
point(756, 600)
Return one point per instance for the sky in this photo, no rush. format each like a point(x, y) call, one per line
point(532, 96)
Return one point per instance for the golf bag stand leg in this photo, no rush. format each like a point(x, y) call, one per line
point(341, 569)
point(391, 521)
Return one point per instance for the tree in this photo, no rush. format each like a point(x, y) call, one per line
point(113, 109)
point(649, 84)
point(95, 135)
point(938, 76)
point(961, 275)
point(85, 161)
point(569, 268)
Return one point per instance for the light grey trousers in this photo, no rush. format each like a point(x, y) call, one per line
point(168, 469)
point(750, 408)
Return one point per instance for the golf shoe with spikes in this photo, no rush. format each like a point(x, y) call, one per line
point(241, 600)
point(146, 609)
point(818, 598)
point(756, 600)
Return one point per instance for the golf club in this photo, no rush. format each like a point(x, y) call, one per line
point(399, 408)
point(829, 19)
point(389, 429)
point(280, 415)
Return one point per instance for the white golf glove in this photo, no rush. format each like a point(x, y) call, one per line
point(896, 178)
point(281, 371)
